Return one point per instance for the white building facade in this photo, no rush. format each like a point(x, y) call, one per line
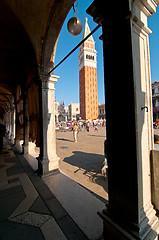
point(56, 104)
point(101, 110)
point(73, 111)
point(61, 112)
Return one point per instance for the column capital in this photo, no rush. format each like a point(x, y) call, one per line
point(148, 7)
point(96, 11)
point(140, 11)
point(53, 78)
point(43, 70)
point(48, 81)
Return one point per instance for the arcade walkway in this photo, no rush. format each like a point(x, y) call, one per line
point(30, 210)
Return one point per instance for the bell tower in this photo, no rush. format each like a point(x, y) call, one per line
point(88, 77)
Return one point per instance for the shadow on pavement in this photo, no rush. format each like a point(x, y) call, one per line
point(90, 164)
point(93, 135)
point(64, 139)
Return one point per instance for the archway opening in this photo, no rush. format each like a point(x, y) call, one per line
point(18, 74)
point(82, 161)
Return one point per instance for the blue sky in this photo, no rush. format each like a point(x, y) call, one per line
point(68, 83)
point(67, 86)
point(153, 23)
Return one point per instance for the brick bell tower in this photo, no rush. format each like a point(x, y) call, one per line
point(88, 77)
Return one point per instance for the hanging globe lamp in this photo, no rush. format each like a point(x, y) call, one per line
point(74, 26)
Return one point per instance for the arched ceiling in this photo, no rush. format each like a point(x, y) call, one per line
point(6, 99)
point(28, 34)
point(15, 49)
point(42, 20)
point(33, 15)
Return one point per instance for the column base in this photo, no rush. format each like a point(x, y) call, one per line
point(48, 166)
point(18, 145)
point(25, 148)
point(113, 230)
point(12, 139)
point(53, 172)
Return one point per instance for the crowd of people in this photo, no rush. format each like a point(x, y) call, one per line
point(77, 126)
point(156, 124)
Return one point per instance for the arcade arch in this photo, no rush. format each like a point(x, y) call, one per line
point(27, 51)
point(87, 169)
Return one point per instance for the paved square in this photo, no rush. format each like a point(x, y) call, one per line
point(83, 161)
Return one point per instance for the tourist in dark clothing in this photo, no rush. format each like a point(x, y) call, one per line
point(87, 126)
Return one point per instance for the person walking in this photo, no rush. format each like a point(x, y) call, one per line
point(87, 126)
point(96, 128)
point(80, 126)
point(75, 132)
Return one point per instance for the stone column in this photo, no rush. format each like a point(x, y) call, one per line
point(10, 124)
point(25, 146)
point(129, 213)
point(13, 113)
point(6, 120)
point(48, 160)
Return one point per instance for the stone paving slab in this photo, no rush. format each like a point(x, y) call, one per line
point(31, 218)
point(56, 209)
point(31, 210)
point(39, 206)
point(71, 229)
point(50, 229)
point(16, 231)
point(79, 203)
point(21, 204)
point(9, 201)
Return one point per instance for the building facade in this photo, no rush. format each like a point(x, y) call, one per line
point(61, 112)
point(101, 110)
point(56, 107)
point(73, 111)
point(88, 77)
point(63, 115)
point(155, 100)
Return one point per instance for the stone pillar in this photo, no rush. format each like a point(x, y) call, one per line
point(13, 113)
point(48, 159)
point(25, 146)
point(129, 213)
point(5, 119)
point(10, 124)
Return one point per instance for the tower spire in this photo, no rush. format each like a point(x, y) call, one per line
point(86, 31)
